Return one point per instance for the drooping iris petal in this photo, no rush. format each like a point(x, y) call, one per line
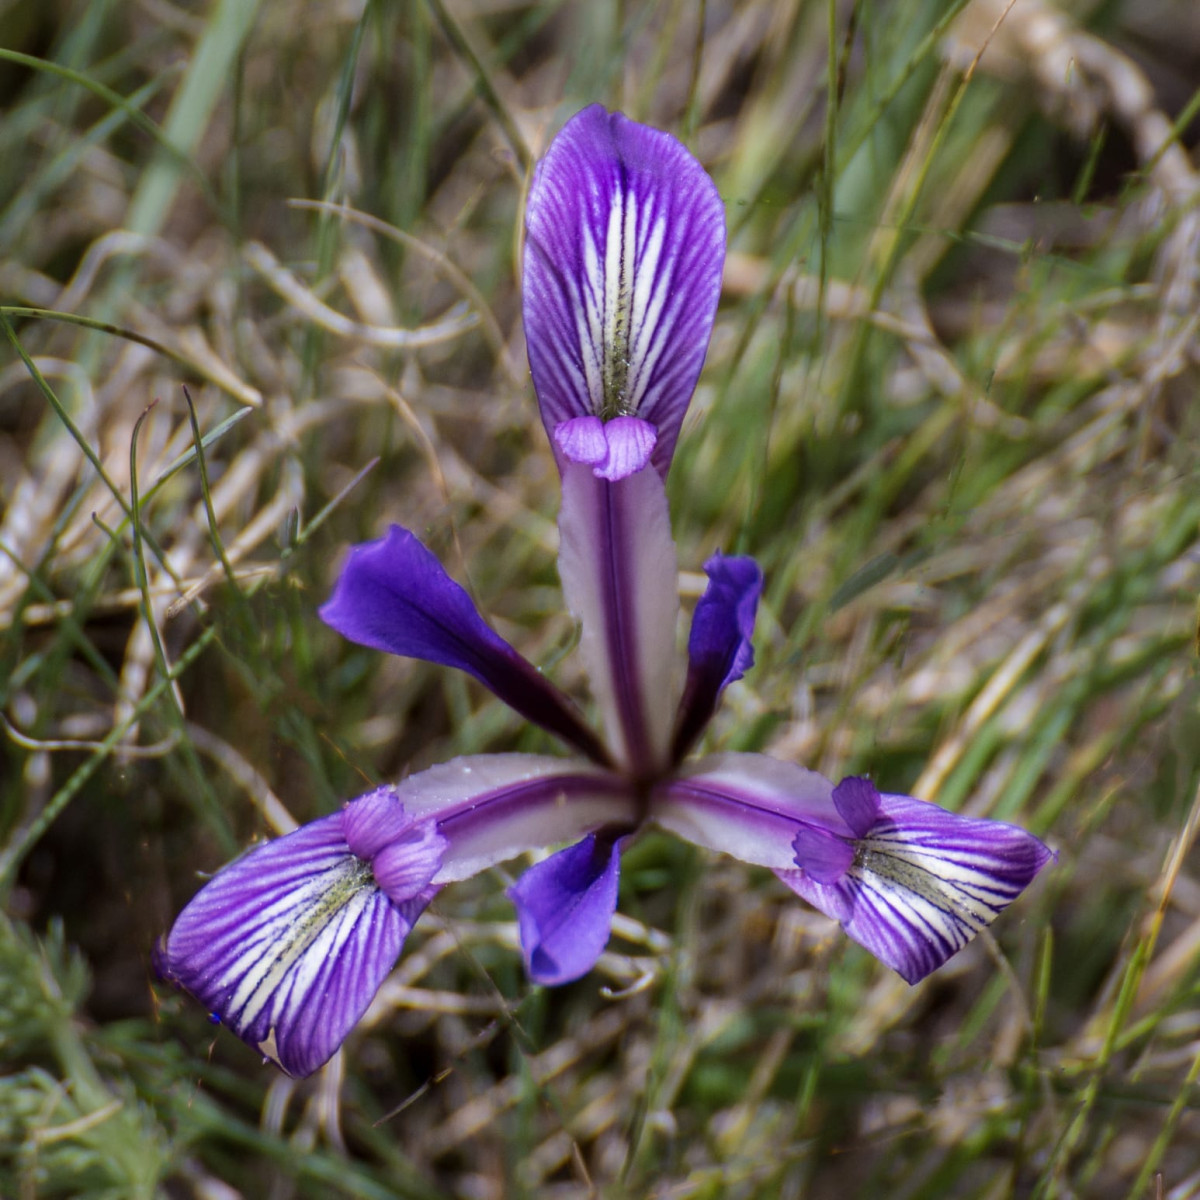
point(624, 248)
point(394, 595)
point(747, 805)
point(565, 906)
point(492, 807)
point(923, 882)
point(288, 945)
point(719, 647)
point(617, 563)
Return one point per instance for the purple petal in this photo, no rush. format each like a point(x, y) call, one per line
point(565, 906)
point(624, 247)
point(924, 881)
point(823, 856)
point(393, 595)
point(719, 647)
point(858, 801)
point(747, 805)
point(617, 563)
point(288, 945)
point(491, 807)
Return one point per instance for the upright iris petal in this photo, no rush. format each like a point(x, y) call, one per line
point(624, 248)
point(719, 648)
point(394, 595)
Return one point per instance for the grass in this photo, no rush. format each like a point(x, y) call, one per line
point(949, 406)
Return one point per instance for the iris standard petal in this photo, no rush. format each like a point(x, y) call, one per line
point(624, 248)
point(719, 646)
point(565, 906)
point(923, 882)
point(288, 945)
point(617, 563)
point(747, 805)
point(492, 807)
point(394, 595)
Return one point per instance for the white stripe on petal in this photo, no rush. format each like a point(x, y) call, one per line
point(924, 882)
point(288, 945)
point(303, 930)
point(624, 247)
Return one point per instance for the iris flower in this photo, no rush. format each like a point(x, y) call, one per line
point(625, 242)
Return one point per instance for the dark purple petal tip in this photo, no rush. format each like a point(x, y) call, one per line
point(624, 248)
point(565, 906)
point(394, 595)
point(720, 650)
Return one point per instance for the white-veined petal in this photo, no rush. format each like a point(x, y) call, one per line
point(288, 945)
point(624, 248)
point(924, 882)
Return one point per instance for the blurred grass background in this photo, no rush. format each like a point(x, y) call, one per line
point(950, 405)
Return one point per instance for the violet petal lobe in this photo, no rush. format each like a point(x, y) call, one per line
point(719, 646)
point(288, 945)
point(613, 449)
point(404, 852)
point(394, 595)
point(565, 906)
point(617, 563)
point(582, 440)
point(405, 868)
point(923, 882)
point(823, 856)
point(858, 800)
point(624, 248)
point(372, 821)
point(631, 443)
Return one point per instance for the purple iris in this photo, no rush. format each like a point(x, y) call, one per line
point(288, 945)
